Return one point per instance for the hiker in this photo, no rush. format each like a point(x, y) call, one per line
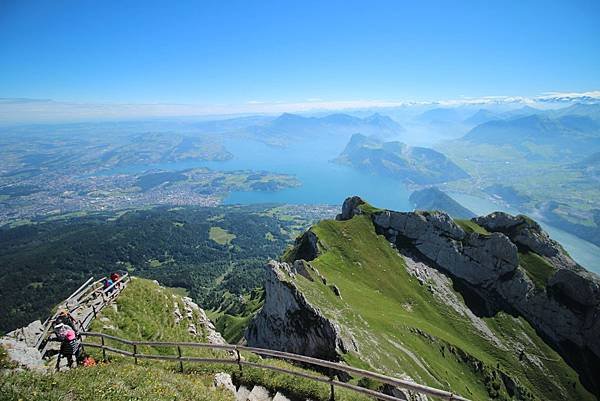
point(107, 284)
point(66, 318)
point(115, 277)
point(70, 345)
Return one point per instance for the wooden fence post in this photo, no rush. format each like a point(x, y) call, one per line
point(329, 376)
point(239, 360)
point(180, 361)
point(103, 350)
point(331, 387)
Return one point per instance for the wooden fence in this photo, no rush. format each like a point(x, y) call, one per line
point(238, 360)
point(87, 301)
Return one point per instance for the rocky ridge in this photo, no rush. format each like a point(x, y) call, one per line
point(567, 311)
point(289, 322)
point(485, 265)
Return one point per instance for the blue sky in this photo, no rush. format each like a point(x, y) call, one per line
point(234, 52)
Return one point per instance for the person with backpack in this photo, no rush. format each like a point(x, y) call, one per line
point(66, 318)
point(108, 284)
point(70, 345)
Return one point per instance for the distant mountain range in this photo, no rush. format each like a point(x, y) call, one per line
point(434, 199)
point(442, 115)
point(293, 127)
point(484, 115)
point(545, 162)
point(394, 159)
point(572, 133)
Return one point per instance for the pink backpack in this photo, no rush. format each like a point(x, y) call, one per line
point(64, 332)
point(70, 335)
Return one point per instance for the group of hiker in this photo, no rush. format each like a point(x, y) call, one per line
point(67, 333)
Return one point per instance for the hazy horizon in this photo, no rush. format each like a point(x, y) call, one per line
point(24, 111)
point(143, 59)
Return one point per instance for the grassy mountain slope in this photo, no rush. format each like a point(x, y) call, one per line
point(400, 327)
point(234, 313)
point(144, 311)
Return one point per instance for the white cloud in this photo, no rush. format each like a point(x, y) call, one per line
point(41, 110)
point(569, 96)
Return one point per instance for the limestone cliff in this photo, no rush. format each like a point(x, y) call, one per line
point(288, 322)
point(404, 279)
point(566, 311)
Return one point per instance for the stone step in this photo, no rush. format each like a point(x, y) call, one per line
point(242, 394)
point(280, 397)
point(259, 393)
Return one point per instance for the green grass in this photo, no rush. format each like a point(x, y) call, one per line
point(536, 267)
point(5, 362)
point(111, 382)
point(471, 227)
point(221, 236)
point(402, 328)
point(295, 387)
point(233, 315)
point(367, 208)
point(144, 312)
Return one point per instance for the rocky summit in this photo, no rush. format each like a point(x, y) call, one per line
point(490, 307)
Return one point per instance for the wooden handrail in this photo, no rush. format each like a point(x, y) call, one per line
point(81, 288)
point(321, 379)
point(443, 394)
point(122, 279)
point(80, 296)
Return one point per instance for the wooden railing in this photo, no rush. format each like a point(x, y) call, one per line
point(88, 300)
point(238, 360)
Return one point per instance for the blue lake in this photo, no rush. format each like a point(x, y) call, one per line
point(324, 182)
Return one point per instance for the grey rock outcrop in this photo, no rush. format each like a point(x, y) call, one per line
point(480, 260)
point(580, 286)
point(567, 311)
point(350, 208)
point(307, 246)
point(212, 335)
point(224, 380)
point(402, 393)
point(259, 393)
point(527, 234)
point(288, 322)
point(301, 266)
point(20, 347)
